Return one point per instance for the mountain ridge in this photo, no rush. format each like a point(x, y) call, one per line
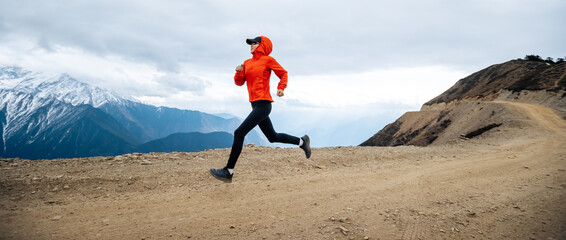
point(467, 107)
point(187, 142)
point(514, 75)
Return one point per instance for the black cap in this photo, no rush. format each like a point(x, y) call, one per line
point(254, 40)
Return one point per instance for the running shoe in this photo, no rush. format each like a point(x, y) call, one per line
point(221, 174)
point(306, 145)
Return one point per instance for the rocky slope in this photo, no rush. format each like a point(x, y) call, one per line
point(466, 110)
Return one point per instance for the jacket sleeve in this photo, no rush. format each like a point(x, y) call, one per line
point(279, 71)
point(240, 77)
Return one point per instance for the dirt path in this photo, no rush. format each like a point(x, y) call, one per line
point(493, 187)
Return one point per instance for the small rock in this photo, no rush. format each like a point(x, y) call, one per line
point(56, 218)
point(145, 162)
point(66, 187)
point(462, 223)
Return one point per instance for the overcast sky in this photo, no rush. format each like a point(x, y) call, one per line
point(357, 57)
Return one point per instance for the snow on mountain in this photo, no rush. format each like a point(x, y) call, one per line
point(11, 76)
point(23, 93)
point(61, 87)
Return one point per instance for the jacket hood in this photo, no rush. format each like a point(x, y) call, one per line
point(265, 46)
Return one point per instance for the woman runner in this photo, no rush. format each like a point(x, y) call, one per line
point(255, 72)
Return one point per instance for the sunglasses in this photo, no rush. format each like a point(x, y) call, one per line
point(254, 43)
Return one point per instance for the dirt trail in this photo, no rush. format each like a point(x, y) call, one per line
point(541, 115)
point(509, 183)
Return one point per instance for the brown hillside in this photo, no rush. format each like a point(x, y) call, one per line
point(515, 75)
point(466, 109)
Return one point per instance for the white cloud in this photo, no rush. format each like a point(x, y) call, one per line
point(409, 86)
point(309, 36)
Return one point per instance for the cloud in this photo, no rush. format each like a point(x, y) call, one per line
point(175, 82)
point(112, 72)
point(410, 86)
point(309, 36)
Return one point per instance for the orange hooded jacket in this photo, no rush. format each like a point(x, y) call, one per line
point(257, 71)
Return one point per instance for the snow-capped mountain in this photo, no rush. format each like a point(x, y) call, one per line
point(61, 87)
point(53, 116)
point(24, 95)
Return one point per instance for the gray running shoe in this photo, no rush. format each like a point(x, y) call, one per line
point(222, 174)
point(306, 145)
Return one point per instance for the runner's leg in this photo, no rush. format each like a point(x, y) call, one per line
point(267, 128)
point(261, 110)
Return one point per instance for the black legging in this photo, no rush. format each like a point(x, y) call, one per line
point(258, 116)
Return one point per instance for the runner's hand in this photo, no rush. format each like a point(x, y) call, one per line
point(280, 93)
point(240, 68)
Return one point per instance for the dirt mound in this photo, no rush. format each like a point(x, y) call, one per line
point(507, 183)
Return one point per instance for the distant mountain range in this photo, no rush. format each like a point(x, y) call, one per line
point(188, 142)
point(56, 116)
